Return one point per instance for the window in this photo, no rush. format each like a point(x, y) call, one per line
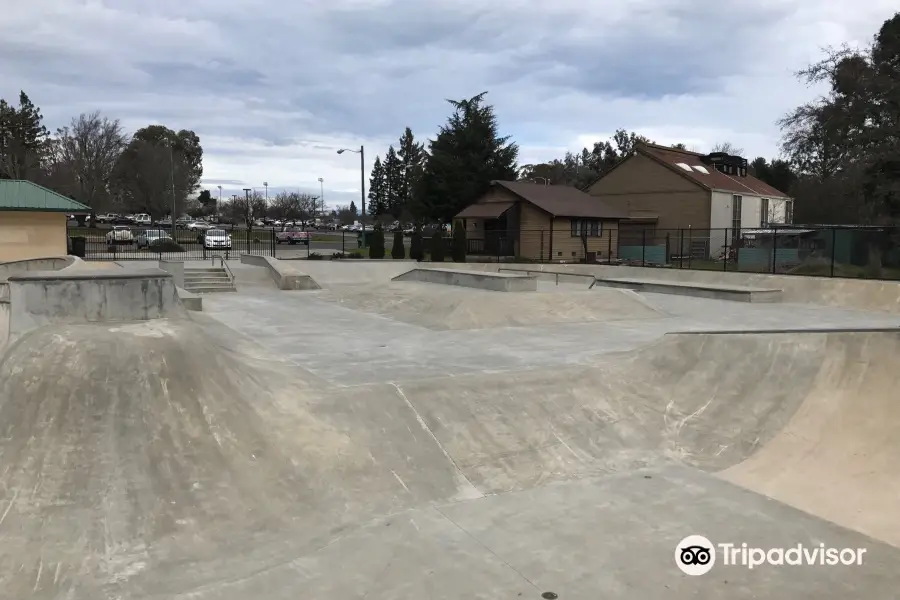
point(764, 212)
point(591, 226)
point(736, 202)
point(684, 166)
point(789, 212)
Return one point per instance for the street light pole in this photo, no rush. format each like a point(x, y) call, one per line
point(248, 216)
point(362, 186)
point(322, 195)
point(219, 203)
point(172, 164)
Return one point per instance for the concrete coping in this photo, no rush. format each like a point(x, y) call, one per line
point(479, 273)
point(686, 284)
point(88, 275)
point(285, 276)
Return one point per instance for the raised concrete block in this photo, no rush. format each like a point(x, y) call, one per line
point(175, 268)
point(285, 276)
point(497, 282)
point(190, 301)
point(716, 291)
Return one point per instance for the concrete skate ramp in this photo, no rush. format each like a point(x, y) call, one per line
point(40, 298)
point(328, 273)
point(448, 308)
point(153, 463)
point(838, 456)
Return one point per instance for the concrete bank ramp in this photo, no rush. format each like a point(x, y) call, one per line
point(449, 308)
point(141, 461)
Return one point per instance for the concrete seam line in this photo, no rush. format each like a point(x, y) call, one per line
point(425, 426)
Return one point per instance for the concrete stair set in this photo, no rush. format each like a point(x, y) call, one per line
point(200, 280)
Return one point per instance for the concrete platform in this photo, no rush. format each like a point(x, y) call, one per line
point(497, 282)
point(717, 291)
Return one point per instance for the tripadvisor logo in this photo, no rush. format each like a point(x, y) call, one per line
point(696, 555)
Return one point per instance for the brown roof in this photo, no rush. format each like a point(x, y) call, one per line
point(490, 210)
point(561, 200)
point(715, 180)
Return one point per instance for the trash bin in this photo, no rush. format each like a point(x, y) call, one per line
point(359, 239)
point(78, 246)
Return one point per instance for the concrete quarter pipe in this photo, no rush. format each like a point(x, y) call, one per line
point(157, 463)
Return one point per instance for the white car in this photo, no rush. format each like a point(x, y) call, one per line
point(198, 226)
point(142, 220)
point(119, 234)
point(151, 237)
point(216, 238)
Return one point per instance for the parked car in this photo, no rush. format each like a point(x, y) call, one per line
point(198, 226)
point(119, 235)
point(183, 222)
point(216, 238)
point(152, 237)
point(142, 220)
point(292, 235)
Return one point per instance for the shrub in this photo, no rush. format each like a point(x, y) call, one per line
point(458, 249)
point(338, 256)
point(416, 247)
point(437, 245)
point(355, 255)
point(314, 256)
point(376, 243)
point(165, 246)
point(398, 250)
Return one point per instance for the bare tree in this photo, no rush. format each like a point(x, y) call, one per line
point(294, 207)
point(728, 148)
point(248, 208)
point(89, 148)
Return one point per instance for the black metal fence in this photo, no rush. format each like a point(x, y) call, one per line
point(825, 251)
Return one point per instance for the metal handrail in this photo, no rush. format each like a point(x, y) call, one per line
point(557, 273)
point(223, 264)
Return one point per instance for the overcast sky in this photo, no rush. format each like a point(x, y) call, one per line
point(274, 88)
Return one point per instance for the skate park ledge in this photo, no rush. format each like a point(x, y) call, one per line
point(285, 276)
point(38, 298)
point(498, 282)
point(717, 291)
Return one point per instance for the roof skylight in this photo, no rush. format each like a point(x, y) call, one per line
point(684, 166)
point(701, 169)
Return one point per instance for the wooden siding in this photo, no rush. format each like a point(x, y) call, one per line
point(641, 187)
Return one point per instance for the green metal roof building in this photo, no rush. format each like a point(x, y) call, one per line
point(33, 221)
point(21, 195)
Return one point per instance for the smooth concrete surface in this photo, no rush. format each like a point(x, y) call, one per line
point(175, 268)
point(51, 263)
point(4, 323)
point(39, 298)
point(285, 276)
point(190, 301)
point(496, 282)
point(716, 291)
point(279, 445)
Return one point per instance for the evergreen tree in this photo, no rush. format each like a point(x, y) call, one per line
point(437, 245)
point(416, 245)
point(467, 154)
point(24, 141)
point(353, 210)
point(377, 190)
point(376, 242)
point(412, 158)
point(398, 250)
point(459, 243)
point(393, 179)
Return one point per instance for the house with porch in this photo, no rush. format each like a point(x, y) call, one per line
point(548, 223)
point(33, 220)
point(678, 202)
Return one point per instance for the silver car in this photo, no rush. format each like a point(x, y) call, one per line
point(216, 238)
point(152, 237)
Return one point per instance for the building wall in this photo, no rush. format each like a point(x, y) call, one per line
point(640, 187)
point(566, 248)
point(26, 235)
point(751, 215)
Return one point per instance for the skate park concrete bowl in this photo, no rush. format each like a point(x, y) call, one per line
point(286, 443)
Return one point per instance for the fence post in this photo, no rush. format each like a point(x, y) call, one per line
point(690, 246)
point(609, 241)
point(680, 247)
point(643, 245)
point(541, 255)
point(833, 242)
point(725, 262)
point(774, 246)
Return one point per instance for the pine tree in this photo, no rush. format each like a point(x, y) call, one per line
point(412, 158)
point(398, 250)
point(393, 178)
point(24, 141)
point(466, 156)
point(377, 190)
point(353, 210)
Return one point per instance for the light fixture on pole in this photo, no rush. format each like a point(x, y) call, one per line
point(362, 186)
point(322, 194)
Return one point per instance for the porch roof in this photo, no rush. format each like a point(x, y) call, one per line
point(487, 210)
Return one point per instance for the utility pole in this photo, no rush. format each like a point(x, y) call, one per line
point(248, 216)
point(172, 164)
point(362, 186)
